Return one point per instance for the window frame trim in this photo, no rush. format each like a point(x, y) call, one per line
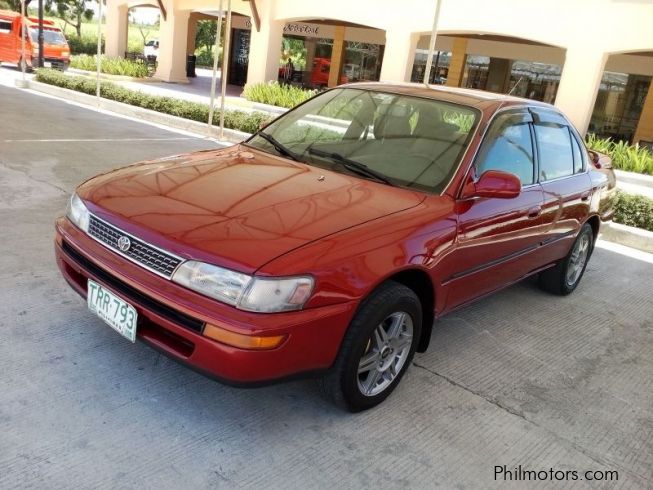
point(524, 110)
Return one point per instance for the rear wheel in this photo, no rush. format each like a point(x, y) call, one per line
point(377, 349)
point(565, 276)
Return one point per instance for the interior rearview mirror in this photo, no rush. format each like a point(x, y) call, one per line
point(494, 184)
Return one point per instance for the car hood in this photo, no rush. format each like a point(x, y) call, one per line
point(237, 207)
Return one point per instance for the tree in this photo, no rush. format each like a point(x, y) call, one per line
point(10, 5)
point(72, 12)
point(205, 34)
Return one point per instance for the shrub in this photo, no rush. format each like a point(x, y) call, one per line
point(632, 158)
point(205, 58)
point(634, 210)
point(83, 44)
point(111, 66)
point(239, 120)
point(274, 93)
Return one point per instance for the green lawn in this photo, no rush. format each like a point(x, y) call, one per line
point(89, 30)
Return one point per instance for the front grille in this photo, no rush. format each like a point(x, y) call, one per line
point(144, 254)
point(131, 294)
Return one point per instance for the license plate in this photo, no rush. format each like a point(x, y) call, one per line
point(120, 315)
point(47, 64)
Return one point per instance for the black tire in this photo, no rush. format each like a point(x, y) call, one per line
point(341, 384)
point(555, 280)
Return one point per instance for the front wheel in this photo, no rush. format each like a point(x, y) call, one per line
point(377, 349)
point(565, 276)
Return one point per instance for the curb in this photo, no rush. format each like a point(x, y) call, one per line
point(628, 236)
point(634, 178)
point(230, 135)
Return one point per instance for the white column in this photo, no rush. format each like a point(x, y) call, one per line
point(398, 56)
point(116, 29)
point(579, 84)
point(171, 62)
point(264, 51)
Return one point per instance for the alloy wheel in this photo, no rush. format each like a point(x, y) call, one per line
point(386, 353)
point(577, 260)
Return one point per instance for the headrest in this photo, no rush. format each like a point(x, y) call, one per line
point(393, 110)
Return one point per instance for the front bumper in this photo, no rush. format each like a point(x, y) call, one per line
point(56, 63)
point(172, 318)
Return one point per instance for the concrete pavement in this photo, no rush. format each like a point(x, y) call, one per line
point(521, 378)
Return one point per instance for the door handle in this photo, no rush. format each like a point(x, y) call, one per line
point(585, 196)
point(534, 212)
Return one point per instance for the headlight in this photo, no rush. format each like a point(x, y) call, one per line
point(65, 54)
point(77, 213)
point(244, 291)
point(270, 295)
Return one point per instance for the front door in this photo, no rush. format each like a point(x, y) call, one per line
point(496, 237)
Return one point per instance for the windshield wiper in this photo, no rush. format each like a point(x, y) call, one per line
point(278, 146)
point(353, 165)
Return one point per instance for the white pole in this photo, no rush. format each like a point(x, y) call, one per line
point(225, 63)
point(23, 33)
point(99, 50)
point(215, 68)
point(434, 33)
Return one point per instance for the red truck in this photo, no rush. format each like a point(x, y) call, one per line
point(56, 53)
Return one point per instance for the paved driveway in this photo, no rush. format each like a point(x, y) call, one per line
point(521, 378)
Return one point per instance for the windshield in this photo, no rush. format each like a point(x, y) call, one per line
point(49, 36)
point(408, 141)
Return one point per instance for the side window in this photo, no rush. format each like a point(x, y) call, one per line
point(556, 155)
point(508, 147)
point(5, 27)
point(578, 155)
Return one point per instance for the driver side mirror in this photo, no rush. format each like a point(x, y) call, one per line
point(494, 184)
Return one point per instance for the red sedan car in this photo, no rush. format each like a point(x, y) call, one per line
point(329, 242)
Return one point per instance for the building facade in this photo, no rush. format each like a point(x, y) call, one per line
point(591, 58)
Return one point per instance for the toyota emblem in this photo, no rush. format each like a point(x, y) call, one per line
point(124, 243)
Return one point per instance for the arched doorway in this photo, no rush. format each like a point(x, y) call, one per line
point(624, 104)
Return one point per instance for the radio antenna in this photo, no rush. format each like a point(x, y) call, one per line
point(510, 93)
point(515, 86)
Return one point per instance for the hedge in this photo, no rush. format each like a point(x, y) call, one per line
point(274, 93)
point(195, 111)
point(632, 158)
point(634, 210)
point(110, 65)
point(83, 44)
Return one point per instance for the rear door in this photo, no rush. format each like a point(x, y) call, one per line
point(497, 237)
point(566, 185)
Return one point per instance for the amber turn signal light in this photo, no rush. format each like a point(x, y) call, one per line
point(253, 342)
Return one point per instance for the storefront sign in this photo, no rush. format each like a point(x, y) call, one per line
point(301, 29)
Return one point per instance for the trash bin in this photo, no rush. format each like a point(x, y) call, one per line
point(190, 65)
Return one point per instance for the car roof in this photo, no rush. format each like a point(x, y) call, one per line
point(476, 98)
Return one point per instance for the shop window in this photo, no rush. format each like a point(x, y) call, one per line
point(533, 80)
point(439, 67)
point(476, 72)
point(618, 106)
